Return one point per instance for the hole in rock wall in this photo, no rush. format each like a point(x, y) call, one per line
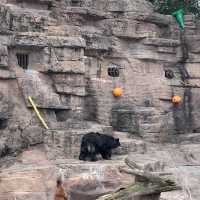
point(62, 115)
point(76, 2)
point(27, 58)
point(23, 60)
point(3, 124)
point(169, 74)
point(113, 70)
point(5, 151)
point(147, 103)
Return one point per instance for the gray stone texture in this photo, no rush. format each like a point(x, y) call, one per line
point(70, 46)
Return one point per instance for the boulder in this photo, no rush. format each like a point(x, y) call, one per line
point(144, 163)
point(34, 178)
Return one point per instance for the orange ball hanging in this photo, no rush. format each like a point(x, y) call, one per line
point(176, 99)
point(117, 92)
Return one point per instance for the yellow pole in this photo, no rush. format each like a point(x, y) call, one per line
point(37, 112)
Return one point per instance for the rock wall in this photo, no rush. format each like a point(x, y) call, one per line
point(59, 53)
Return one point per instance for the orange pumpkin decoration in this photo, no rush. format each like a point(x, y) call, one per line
point(176, 99)
point(117, 92)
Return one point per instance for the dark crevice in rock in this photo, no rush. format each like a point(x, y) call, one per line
point(3, 123)
point(182, 113)
point(187, 107)
point(90, 103)
point(62, 115)
point(5, 151)
point(184, 46)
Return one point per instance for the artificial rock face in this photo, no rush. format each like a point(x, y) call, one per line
point(59, 53)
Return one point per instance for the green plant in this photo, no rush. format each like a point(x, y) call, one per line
point(169, 6)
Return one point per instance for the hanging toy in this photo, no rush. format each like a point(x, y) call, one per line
point(117, 92)
point(169, 74)
point(179, 17)
point(176, 99)
point(113, 71)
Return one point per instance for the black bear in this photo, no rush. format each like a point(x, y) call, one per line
point(96, 143)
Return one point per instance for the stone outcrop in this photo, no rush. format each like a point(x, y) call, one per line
point(37, 177)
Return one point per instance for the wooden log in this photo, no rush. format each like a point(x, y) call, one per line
point(140, 191)
point(148, 185)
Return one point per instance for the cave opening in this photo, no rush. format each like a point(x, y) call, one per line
point(23, 60)
point(62, 115)
point(3, 123)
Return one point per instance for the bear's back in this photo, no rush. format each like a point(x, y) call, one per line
point(98, 139)
point(92, 138)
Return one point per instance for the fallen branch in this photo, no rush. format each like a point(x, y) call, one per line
point(140, 191)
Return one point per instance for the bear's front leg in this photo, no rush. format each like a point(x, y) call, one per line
point(93, 157)
point(84, 153)
point(82, 156)
point(106, 155)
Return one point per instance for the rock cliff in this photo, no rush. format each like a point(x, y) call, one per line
point(59, 52)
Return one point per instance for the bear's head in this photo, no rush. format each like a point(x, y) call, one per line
point(116, 143)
